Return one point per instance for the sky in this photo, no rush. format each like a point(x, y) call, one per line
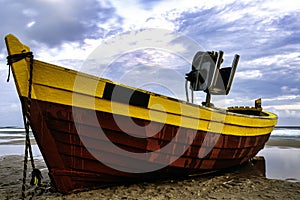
point(151, 44)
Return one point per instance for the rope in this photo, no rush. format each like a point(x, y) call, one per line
point(8, 74)
point(36, 175)
point(25, 169)
point(15, 58)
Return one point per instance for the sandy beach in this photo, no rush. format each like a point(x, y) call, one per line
point(244, 182)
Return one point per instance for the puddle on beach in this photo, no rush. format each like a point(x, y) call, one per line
point(282, 163)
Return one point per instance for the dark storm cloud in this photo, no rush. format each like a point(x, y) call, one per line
point(53, 22)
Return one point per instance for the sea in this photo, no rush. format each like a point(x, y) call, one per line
point(282, 161)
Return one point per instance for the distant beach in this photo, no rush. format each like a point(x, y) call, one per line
point(273, 174)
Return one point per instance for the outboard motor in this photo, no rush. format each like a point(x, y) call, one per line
point(203, 68)
point(207, 76)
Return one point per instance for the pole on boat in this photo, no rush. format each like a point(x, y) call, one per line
point(207, 100)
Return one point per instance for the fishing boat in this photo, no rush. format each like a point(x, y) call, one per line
point(94, 132)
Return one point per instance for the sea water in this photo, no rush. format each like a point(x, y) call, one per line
point(282, 162)
point(286, 133)
point(12, 142)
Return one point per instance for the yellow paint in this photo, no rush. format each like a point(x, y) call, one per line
point(68, 87)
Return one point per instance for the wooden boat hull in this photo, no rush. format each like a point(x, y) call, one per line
point(71, 165)
point(89, 137)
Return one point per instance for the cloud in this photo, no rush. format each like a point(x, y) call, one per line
point(286, 89)
point(151, 69)
point(148, 58)
point(249, 74)
point(277, 99)
point(53, 22)
point(265, 33)
point(291, 108)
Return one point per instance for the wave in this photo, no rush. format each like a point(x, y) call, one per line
point(286, 132)
point(12, 130)
point(7, 131)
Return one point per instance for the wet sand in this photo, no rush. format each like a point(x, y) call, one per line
point(244, 182)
